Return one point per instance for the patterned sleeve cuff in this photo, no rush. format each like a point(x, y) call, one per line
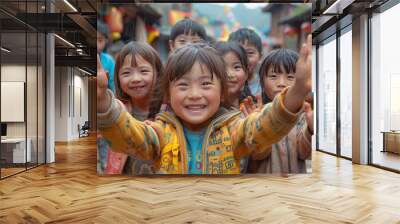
point(283, 111)
point(110, 116)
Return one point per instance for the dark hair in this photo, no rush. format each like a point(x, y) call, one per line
point(224, 47)
point(243, 34)
point(136, 48)
point(279, 59)
point(181, 62)
point(102, 28)
point(210, 40)
point(187, 26)
point(231, 46)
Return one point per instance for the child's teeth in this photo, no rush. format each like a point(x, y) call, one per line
point(195, 107)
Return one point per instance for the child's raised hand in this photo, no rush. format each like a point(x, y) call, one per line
point(303, 67)
point(297, 93)
point(248, 107)
point(103, 100)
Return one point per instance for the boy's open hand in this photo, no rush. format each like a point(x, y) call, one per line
point(297, 93)
point(303, 67)
point(248, 107)
point(103, 100)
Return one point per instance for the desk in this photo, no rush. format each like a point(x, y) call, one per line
point(391, 141)
point(15, 148)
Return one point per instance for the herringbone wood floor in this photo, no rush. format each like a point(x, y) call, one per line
point(70, 191)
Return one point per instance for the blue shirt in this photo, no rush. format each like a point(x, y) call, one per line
point(194, 143)
point(254, 84)
point(108, 63)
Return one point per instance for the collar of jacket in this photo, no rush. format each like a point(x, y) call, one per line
point(221, 118)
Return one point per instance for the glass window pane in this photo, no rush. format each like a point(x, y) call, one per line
point(14, 153)
point(346, 94)
point(22, 73)
point(31, 96)
point(327, 97)
point(385, 89)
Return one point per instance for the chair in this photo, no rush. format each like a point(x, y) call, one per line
point(84, 130)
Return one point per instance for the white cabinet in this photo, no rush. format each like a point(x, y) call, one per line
point(17, 145)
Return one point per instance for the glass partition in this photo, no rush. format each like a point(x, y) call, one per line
point(346, 93)
point(385, 89)
point(14, 151)
point(327, 96)
point(22, 88)
point(31, 97)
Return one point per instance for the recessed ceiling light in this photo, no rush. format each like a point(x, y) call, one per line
point(64, 40)
point(5, 49)
point(337, 7)
point(70, 5)
point(86, 72)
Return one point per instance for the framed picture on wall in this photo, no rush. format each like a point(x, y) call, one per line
point(12, 101)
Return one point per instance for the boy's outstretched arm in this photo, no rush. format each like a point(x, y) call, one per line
point(297, 93)
point(103, 99)
point(259, 130)
point(304, 136)
point(123, 132)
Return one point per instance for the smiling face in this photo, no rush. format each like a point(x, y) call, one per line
point(274, 82)
point(184, 39)
point(236, 73)
point(136, 82)
point(195, 97)
point(252, 54)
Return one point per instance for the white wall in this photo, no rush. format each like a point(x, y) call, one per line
point(71, 94)
point(13, 73)
point(61, 103)
point(34, 124)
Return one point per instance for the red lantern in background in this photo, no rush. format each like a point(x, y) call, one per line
point(114, 22)
point(290, 31)
point(306, 27)
point(152, 33)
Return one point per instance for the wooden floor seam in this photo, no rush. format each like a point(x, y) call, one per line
point(70, 191)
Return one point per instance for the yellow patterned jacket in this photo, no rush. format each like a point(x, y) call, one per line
point(227, 139)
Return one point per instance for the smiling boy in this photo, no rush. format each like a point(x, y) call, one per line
point(184, 32)
point(252, 44)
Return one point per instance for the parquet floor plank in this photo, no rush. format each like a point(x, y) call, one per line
point(70, 191)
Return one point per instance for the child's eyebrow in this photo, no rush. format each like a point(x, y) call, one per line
point(205, 76)
point(144, 66)
point(183, 78)
point(237, 62)
point(126, 67)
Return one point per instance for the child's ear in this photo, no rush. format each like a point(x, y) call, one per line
point(171, 45)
